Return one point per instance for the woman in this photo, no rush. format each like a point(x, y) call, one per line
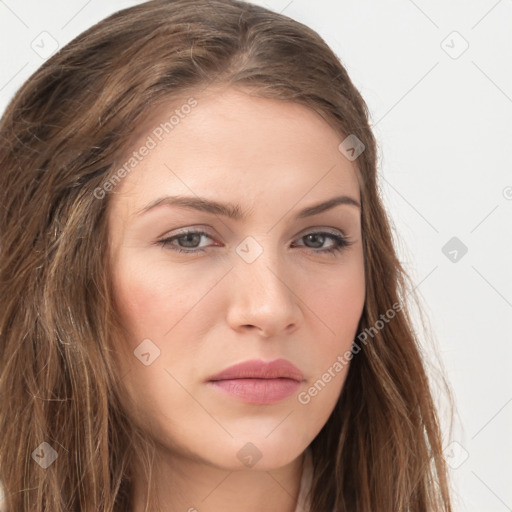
point(142, 369)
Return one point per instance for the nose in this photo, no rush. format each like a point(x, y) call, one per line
point(263, 298)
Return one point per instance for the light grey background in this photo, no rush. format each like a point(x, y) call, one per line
point(442, 114)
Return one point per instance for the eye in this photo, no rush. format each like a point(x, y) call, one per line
point(189, 241)
point(339, 242)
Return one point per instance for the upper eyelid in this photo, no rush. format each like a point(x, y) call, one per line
point(304, 232)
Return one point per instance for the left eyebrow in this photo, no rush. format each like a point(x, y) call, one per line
point(327, 205)
point(234, 211)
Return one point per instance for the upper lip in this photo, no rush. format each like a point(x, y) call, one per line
point(258, 369)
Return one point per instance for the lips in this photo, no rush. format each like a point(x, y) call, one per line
point(258, 382)
point(258, 369)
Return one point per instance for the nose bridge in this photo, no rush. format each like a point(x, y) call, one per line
point(259, 263)
point(263, 295)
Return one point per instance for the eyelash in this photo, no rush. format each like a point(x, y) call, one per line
point(341, 242)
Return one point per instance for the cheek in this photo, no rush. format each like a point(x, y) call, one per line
point(337, 299)
point(151, 301)
point(338, 303)
point(172, 308)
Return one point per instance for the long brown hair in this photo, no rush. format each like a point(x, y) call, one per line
point(62, 137)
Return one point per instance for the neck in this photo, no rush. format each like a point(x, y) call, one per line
point(182, 484)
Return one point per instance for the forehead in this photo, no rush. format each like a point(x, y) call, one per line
point(235, 146)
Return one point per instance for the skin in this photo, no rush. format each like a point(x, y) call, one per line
point(210, 310)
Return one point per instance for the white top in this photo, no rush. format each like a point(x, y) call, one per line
point(2, 502)
point(303, 505)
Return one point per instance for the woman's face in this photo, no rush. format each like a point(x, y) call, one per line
point(260, 285)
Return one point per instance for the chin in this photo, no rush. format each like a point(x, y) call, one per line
point(255, 453)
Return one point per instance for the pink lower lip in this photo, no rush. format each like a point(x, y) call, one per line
point(258, 391)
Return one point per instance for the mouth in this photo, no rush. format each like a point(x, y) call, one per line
point(257, 391)
point(258, 382)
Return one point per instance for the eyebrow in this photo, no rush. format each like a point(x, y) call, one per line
point(234, 211)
